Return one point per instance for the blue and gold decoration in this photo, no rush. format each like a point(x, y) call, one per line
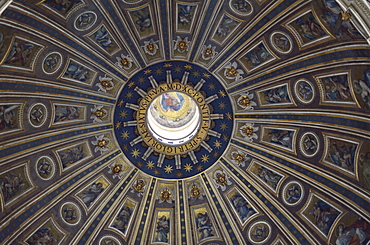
point(184, 122)
point(186, 89)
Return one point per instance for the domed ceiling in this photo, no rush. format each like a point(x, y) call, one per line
point(185, 122)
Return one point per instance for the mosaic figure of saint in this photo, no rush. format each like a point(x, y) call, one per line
point(162, 229)
point(357, 233)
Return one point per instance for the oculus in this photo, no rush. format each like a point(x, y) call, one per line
point(169, 124)
point(173, 118)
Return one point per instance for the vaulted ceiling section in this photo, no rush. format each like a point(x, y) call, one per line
point(185, 122)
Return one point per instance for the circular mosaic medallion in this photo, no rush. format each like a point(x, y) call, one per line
point(173, 120)
point(45, 167)
point(281, 42)
point(52, 63)
point(309, 144)
point(293, 193)
point(109, 240)
point(38, 115)
point(70, 213)
point(85, 21)
point(241, 7)
point(304, 91)
point(259, 232)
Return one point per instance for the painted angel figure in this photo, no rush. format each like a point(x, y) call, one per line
point(244, 209)
point(260, 232)
point(66, 113)
point(143, 21)
point(242, 5)
point(204, 225)
point(102, 36)
point(52, 61)
point(363, 87)
point(269, 177)
point(7, 116)
point(85, 19)
point(77, 72)
point(42, 236)
point(19, 53)
point(88, 196)
point(71, 155)
point(225, 27)
point(10, 184)
point(123, 218)
point(185, 16)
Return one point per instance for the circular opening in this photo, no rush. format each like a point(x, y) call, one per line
point(173, 118)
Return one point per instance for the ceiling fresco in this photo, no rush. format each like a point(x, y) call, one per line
point(185, 122)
